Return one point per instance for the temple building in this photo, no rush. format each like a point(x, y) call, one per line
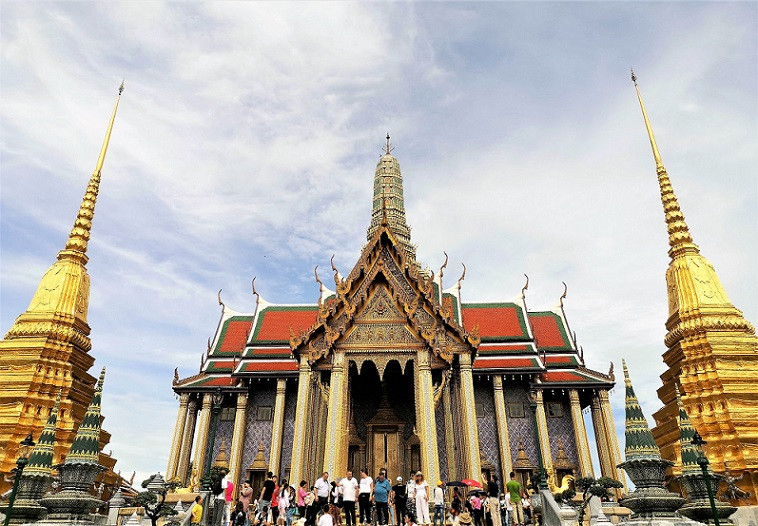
point(392, 368)
point(711, 354)
point(46, 351)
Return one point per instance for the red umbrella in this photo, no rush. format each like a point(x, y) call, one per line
point(472, 482)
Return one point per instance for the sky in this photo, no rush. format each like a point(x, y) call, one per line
point(248, 134)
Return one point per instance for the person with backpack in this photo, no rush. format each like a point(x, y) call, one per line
point(239, 517)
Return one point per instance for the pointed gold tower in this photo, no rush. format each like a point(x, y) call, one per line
point(47, 348)
point(712, 352)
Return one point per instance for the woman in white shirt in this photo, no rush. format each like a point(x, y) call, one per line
point(366, 491)
point(421, 496)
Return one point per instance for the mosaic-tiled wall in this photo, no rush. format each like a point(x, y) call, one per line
point(523, 428)
point(439, 416)
point(257, 431)
point(290, 402)
point(561, 427)
point(224, 431)
point(487, 424)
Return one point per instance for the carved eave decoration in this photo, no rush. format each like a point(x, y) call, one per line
point(383, 263)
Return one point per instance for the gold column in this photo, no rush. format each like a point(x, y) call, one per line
point(176, 442)
point(426, 425)
point(336, 416)
point(468, 417)
point(302, 417)
point(275, 453)
point(447, 410)
point(201, 443)
point(547, 455)
point(506, 463)
point(238, 438)
point(601, 439)
point(612, 438)
point(580, 436)
point(189, 433)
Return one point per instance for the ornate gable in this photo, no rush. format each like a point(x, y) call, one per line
point(385, 302)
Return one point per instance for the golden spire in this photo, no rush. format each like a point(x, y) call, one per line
point(680, 239)
point(77, 240)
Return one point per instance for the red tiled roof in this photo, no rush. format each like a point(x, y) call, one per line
point(548, 330)
point(220, 366)
point(496, 321)
point(500, 349)
point(269, 352)
point(569, 377)
point(506, 363)
point(274, 323)
point(234, 333)
point(268, 366)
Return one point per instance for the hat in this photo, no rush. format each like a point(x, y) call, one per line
point(439, 483)
point(418, 473)
point(400, 479)
point(464, 518)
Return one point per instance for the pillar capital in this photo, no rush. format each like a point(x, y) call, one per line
point(497, 382)
point(574, 397)
point(183, 399)
point(241, 401)
point(464, 359)
point(192, 405)
point(207, 401)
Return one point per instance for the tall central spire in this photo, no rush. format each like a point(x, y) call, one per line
point(680, 239)
point(79, 236)
point(388, 200)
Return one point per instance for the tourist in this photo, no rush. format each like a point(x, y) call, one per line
point(410, 503)
point(322, 489)
point(264, 500)
point(283, 502)
point(493, 492)
point(527, 505)
point(311, 507)
point(476, 505)
point(239, 517)
point(336, 500)
point(439, 504)
point(301, 493)
point(326, 517)
point(421, 498)
point(246, 494)
point(504, 502)
point(382, 489)
point(196, 513)
point(365, 492)
point(275, 501)
point(349, 486)
point(228, 496)
point(399, 498)
point(514, 489)
point(465, 519)
point(409, 519)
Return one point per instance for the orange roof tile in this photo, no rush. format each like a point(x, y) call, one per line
point(496, 321)
point(274, 323)
point(548, 330)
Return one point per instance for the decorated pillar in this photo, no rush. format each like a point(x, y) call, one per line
point(176, 441)
point(447, 410)
point(238, 438)
point(547, 456)
point(335, 460)
point(426, 426)
point(612, 439)
point(186, 448)
point(302, 417)
point(601, 439)
point(470, 429)
point(506, 463)
point(580, 435)
point(275, 453)
point(201, 444)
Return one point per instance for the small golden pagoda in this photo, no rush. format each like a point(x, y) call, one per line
point(47, 348)
point(712, 354)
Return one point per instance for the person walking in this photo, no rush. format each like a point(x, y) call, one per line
point(439, 504)
point(336, 500)
point(410, 507)
point(504, 501)
point(382, 489)
point(514, 489)
point(264, 499)
point(421, 498)
point(311, 507)
point(275, 501)
point(302, 492)
point(476, 505)
point(493, 494)
point(349, 486)
point(400, 499)
point(197, 511)
point(283, 502)
point(366, 492)
point(322, 489)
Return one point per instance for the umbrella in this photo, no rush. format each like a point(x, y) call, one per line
point(475, 492)
point(455, 484)
point(472, 482)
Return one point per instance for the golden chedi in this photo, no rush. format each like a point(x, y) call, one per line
point(712, 354)
point(47, 348)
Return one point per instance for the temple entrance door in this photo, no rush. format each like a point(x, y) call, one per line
point(386, 451)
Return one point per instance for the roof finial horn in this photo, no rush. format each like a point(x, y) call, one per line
point(525, 287)
point(565, 291)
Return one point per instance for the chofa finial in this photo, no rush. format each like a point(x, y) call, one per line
point(565, 291)
point(255, 292)
point(634, 77)
point(444, 265)
point(218, 295)
point(121, 87)
point(525, 287)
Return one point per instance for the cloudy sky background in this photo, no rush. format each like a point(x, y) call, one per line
point(248, 134)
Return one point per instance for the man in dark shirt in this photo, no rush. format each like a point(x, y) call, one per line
point(398, 492)
point(267, 493)
point(493, 492)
